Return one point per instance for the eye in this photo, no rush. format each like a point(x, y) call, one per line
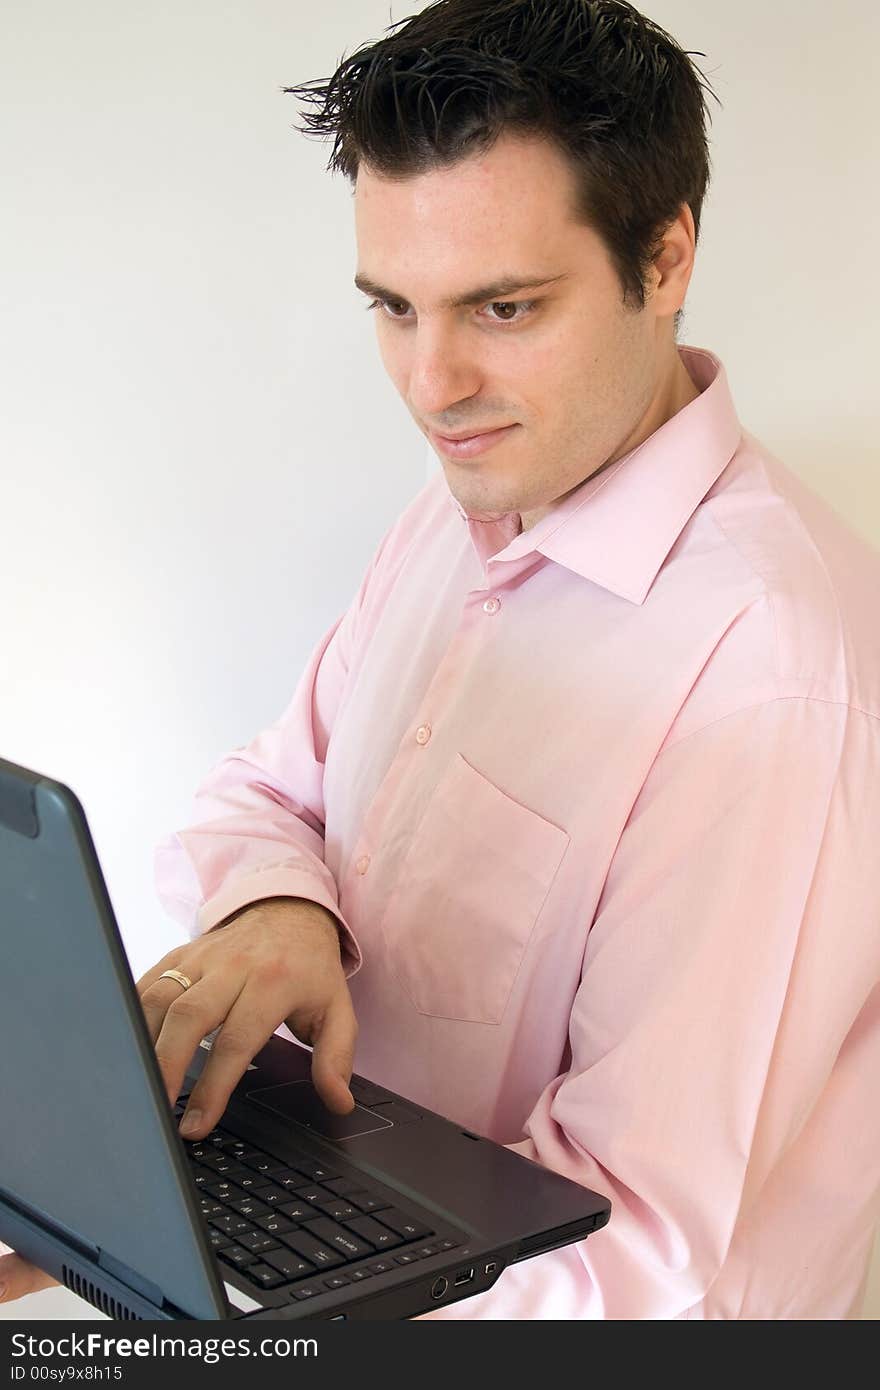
point(384, 304)
point(525, 304)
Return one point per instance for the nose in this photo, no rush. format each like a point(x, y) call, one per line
point(442, 373)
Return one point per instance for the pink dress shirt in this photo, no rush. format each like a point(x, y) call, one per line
point(597, 807)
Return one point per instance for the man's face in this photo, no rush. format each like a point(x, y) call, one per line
point(581, 379)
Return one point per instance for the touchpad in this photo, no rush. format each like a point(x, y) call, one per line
point(300, 1102)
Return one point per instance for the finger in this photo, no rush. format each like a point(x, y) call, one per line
point(170, 961)
point(333, 1054)
point(194, 1014)
point(248, 1026)
point(157, 1000)
point(19, 1277)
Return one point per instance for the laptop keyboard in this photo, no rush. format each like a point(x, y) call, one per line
point(300, 1224)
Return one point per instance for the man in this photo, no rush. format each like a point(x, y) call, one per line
point(570, 824)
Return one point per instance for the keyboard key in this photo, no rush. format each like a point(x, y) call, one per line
point(251, 1181)
point(307, 1291)
point(209, 1208)
point(314, 1194)
point(367, 1201)
point(221, 1191)
point(318, 1172)
point(338, 1238)
point(210, 1156)
point(289, 1178)
point(198, 1151)
point(260, 1162)
point(247, 1152)
point(378, 1236)
point(218, 1241)
point(288, 1263)
point(250, 1207)
point(201, 1175)
point(275, 1224)
point(273, 1196)
point(265, 1276)
point(406, 1258)
point(341, 1186)
point(338, 1208)
point(380, 1267)
point(236, 1255)
point(220, 1139)
point(448, 1244)
point(358, 1274)
point(306, 1245)
point(298, 1211)
point(271, 1166)
point(406, 1226)
point(337, 1281)
point(230, 1168)
point(231, 1224)
point(257, 1242)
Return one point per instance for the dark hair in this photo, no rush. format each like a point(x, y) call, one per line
point(615, 92)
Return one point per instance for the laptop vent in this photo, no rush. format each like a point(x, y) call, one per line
point(84, 1288)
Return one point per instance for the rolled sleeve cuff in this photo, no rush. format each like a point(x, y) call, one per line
point(278, 883)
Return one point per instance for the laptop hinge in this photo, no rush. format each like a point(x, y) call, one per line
point(133, 1281)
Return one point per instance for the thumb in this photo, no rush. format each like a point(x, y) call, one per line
point(333, 1055)
point(19, 1277)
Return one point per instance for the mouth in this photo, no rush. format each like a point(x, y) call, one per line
point(466, 446)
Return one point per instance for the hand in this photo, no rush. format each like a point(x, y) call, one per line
point(18, 1277)
point(276, 961)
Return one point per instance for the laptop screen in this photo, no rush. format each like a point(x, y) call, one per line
point(86, 1138)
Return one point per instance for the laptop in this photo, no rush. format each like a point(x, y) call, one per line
point(285, 1211)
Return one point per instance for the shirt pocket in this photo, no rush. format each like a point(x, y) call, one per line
point(469, 891)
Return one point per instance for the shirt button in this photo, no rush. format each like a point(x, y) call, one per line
point(363, 864)
point(491, 605)
point(423, 734)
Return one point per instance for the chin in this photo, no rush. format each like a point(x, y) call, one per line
point(484, 511)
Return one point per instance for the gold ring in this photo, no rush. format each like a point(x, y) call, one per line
point(178, 976)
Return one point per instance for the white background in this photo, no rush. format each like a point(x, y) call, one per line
point(199, 447)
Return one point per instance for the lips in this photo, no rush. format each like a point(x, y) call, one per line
point(471, 434)
point(471, 445)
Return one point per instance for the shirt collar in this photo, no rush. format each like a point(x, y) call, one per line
point(618, 527)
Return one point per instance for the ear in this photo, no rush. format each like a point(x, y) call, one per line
point(674, 264)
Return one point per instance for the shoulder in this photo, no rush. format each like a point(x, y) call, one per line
point(798, 591)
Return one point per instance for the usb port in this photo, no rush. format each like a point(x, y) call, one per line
point(464, 1277)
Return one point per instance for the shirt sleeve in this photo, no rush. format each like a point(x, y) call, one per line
point(257, 826)
point(732, 952)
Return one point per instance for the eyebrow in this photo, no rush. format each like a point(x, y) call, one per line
point(508, 284)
